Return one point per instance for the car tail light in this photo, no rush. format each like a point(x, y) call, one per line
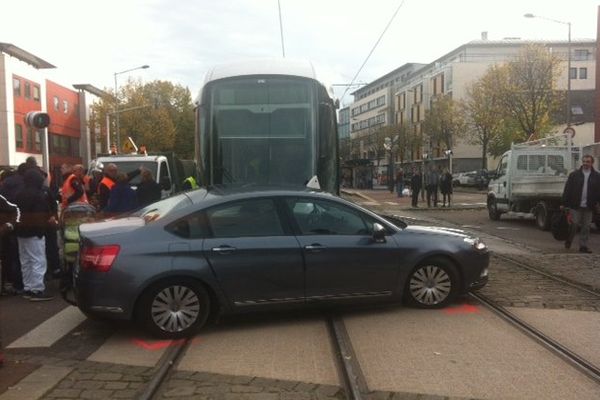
point(98, 258)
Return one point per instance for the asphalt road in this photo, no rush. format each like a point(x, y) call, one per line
point(513, 229)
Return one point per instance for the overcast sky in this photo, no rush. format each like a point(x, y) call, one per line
point(180, 39)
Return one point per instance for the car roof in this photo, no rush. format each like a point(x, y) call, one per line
point(219, 192)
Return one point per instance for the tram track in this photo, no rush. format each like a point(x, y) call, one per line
point(352, 380)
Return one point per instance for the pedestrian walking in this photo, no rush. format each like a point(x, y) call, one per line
point(446, 187)
point(35, 219)
point(581, 196)
point(415, 186)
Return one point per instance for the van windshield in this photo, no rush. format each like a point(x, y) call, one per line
point(128, 166)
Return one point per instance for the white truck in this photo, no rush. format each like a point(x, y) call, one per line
point(167, 170)
point(531, 176)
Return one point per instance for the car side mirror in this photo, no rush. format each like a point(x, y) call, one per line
point(378, 233)
point(165, 183)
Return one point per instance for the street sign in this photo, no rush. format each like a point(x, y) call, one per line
point(129, 146)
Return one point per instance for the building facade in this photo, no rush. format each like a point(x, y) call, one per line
point(407, 99)
point(24, 88)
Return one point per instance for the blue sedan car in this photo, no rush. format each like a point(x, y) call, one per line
point(173, 263)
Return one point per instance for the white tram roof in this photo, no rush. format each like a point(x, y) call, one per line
point(260, 66)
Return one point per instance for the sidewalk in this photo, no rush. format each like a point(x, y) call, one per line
point(383, 197)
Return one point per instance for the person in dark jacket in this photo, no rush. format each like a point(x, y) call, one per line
point(35, 218)
point(122, 197)
point(148, 191)
point(581, 196)
point(9, 217)
point(12, 185)
point(446, 187)
point(415, 186)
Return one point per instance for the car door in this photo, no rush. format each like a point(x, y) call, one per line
point(342, 259)
point(256, 259)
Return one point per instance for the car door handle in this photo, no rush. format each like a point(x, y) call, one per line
point(314, 247)
point(224, 249)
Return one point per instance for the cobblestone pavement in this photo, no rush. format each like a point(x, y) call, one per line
point(93, 380)
point(533, 289)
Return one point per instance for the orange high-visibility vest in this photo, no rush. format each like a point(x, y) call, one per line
point(106, 181)
point(68, 191)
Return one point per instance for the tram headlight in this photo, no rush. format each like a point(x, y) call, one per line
point(476, 243)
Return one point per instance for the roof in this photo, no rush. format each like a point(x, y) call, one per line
point(383, 78)
point(91, 89)
point(24, 56)
point(267, 66)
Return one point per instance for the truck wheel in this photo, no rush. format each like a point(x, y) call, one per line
point(543, 216)
point(493, 210)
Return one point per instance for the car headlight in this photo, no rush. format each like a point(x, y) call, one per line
point(476, 243)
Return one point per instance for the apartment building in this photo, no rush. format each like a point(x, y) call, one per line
point(405, 94)
point(455, 71)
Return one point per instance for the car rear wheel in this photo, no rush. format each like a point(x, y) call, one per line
point(174, 308)
point(433, 284)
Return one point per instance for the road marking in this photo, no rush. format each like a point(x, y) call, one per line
point(120, 348)
point(471, 226)
point(508, 228)
point(36, 384)
point(391, 203)
point(51, 330)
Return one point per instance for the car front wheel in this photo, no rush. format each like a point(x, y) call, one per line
point(433, 284)
point(174, 308)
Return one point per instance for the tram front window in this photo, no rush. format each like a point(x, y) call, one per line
point(263, 131)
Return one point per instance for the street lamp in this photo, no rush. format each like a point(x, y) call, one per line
point(529, 15)
point(117, 117)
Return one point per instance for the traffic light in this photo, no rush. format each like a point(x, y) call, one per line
point(37, 119)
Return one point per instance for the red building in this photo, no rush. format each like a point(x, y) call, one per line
point(24, 87)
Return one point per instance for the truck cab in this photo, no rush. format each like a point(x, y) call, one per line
point(157, 164)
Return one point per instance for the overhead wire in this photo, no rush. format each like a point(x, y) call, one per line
point(373, 49)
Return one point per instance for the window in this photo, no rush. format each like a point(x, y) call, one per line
point(56, 103)
point(17, 87)
point(573, 73)
point(65, 106)
point(583, 73)
point(253, 217)
point(18, 136)
point(580, 55)
point(30, 139)
point(317, 217)
point(192, 226)
point(38, 141)
point(36, 93)
point(27, 90)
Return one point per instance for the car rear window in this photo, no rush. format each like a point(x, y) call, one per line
point(162, 208)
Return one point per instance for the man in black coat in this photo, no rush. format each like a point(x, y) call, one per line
point(581, 196)
point(415, 186)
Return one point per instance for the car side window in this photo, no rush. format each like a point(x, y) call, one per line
point(252, 217)
point(316, 217)
point(191, 226)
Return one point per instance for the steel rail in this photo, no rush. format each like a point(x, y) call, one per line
point(165, 364)
point(547, 274)
point(555, 347)
point(354, 382)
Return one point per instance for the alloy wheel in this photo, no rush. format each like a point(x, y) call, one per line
point(175, 308)
point(430, 285)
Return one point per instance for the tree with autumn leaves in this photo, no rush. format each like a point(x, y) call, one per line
point(511, 102)
point(157, 114)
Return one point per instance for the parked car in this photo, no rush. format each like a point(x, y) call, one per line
point(479, 179)
point(170, 265)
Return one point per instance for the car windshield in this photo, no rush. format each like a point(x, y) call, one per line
point(162, 208)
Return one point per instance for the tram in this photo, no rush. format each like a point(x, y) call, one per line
point(266, 122)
